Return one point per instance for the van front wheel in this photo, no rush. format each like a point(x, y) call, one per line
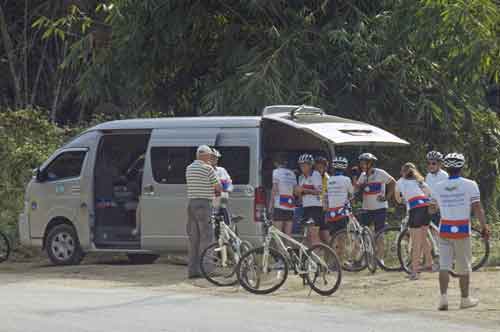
point(63, 247)
point(140, 259)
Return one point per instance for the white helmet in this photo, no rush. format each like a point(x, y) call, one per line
point(367, 157)
point(340, 163)
point(306, 159)
point(454, 160)
point(434, 156)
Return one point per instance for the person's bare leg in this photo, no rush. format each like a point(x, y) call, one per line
point(325, 236)
point(278, 225)
point(380, 246)
point(414, 234)
point(464, 281)
point(313, 235)
point(288, 227)
point(426, 247)
point(444, 280)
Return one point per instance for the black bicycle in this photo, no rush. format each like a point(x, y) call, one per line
point(4, 247)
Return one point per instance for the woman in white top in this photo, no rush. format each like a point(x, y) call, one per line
point(412, 189)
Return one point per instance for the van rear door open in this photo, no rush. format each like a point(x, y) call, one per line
point(164, 199)
point(336, 130)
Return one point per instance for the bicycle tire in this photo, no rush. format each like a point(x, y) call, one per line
point(248, 263)
point(4, 247)
point(357, 264)
point(404, 250)
point(333, 265)
point(389, 263)
point(476, 234)
point(209, 257)
point(369, 250)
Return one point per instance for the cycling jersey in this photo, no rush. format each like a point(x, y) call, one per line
point(338, 190)
point(374, 186)
point(412, 192)
point(225, 180)
point(455, 197)
point(285, 180)
point(432, 179)
point(312, 182)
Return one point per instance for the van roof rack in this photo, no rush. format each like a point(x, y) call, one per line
point(292, 110)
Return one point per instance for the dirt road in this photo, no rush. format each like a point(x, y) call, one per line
point(382, 292)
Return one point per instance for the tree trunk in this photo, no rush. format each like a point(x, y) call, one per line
point(9, 50)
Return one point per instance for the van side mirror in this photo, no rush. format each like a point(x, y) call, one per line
point(39, 175)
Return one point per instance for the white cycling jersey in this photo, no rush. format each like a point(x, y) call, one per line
point(285, 180)
point(374, 186)
point(455, 197)
point(226, 184)
point(432, 179)
point(312, 182)
point(413, 193)
point(338, 190)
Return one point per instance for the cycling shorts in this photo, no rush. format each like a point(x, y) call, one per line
point(316, 213)
point(375, 217)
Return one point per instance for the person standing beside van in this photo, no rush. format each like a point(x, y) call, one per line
point(321, 165)
point(202, 185)
point(282, 195)
point(412, 190)
point(309, 189)
point(221, 201)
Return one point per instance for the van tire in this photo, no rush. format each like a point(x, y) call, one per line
point(141, 259)
point(63, 246)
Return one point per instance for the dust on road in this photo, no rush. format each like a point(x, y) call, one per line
point(383, 292)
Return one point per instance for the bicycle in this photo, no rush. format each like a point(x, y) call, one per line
point(357, 243)
point(5, 247)
point(480, 247)
point(264, 269)
point(219, 260)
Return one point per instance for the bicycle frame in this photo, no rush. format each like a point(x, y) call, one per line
point(226, 234)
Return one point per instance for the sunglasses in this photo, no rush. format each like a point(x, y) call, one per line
point(432, 163)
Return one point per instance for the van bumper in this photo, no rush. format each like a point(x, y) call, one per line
point(24, 230)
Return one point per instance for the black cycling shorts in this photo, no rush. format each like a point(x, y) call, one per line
point(419, 217)
point(335, 226)
point(282, 215)
point(376, 217)
point(316, 213)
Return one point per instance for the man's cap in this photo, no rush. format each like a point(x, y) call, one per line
point(204, 149)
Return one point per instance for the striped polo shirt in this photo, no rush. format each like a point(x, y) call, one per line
point(200, 179)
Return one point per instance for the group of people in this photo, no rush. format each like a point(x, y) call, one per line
point(442, 197)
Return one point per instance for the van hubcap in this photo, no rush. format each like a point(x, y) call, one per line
point(63, 246)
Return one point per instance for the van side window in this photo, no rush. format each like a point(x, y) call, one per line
point(169, 163)
point(236, 160)
point(66, 165)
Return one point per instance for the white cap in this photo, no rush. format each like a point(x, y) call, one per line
point(204, 149)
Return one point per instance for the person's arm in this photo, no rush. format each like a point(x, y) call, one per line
point(398, 195)
point(214, 181)
point(478, 210)
point(390, 184)
point(230, 186)
point(317, 184)
point(426, 189)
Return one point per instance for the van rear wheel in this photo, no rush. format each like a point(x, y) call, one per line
point(63, 246)
point(140, 259)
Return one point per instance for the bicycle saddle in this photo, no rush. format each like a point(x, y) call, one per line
point(307, 222)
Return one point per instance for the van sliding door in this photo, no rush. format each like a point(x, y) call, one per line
point(164, 195)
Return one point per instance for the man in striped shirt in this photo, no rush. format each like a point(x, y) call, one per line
point(202, 184)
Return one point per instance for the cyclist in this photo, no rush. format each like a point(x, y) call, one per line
point(456, 197)
point(338, 194)
point(282, 194)
point(376, 186)
point(435, 175)
point(412, 189)
point(226, 183)
point(309, 189)
point(321, 165)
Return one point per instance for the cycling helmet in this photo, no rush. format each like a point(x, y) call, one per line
point(306, 159)
point(340, 163)
point(367, 157)
point(217, 153)
point(454, 160)
point(434, 156)
point(321, 159)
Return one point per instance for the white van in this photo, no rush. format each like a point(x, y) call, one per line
point(85, 197)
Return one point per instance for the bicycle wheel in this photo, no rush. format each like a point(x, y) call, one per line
point(388, 260)
point(480, 251)
point(262, 271)
point(349, 249)
point(369, 250)
point(218, 264)
point(4, 247)
point(324, 272)
point(404, 251)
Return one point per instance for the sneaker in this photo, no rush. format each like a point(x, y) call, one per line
point(413, 276)
point(468, 302)
point(443, 303)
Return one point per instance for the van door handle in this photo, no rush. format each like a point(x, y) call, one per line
point(149, 190)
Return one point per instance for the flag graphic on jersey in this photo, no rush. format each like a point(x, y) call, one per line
point(454, 229)
point(287, 201)
point(308, 186)
point(335, 214)
point(418, 201)
point(373, 188)
point(225, 184)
